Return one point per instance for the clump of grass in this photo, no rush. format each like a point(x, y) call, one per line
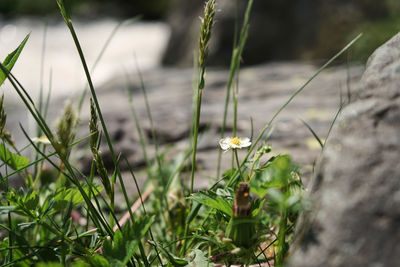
point(205, 35)
point(65, 217)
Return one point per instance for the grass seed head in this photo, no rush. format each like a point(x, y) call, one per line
point(205, 31)
point(102, 171)
point(66, 129)
point(4, 135)
point(93, 126)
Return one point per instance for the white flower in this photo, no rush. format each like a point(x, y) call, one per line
point(228, 143)
point(41, 140)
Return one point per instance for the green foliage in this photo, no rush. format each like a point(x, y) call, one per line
point(242, 232)
point(376, 31)
point(119, 251)
point(213, 200)
point(277, 172)
point(72, 195)
point(49, 264)
point(98, 261)
point(172, 259)
point(375, 34)
point(12, 160)
point(10, 60)
point(198, 259)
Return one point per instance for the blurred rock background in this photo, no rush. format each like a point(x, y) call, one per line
point(286, 29)
point(279, 30)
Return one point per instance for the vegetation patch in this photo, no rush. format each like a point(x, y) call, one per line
point(62, 217)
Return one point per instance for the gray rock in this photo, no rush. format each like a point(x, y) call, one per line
point(356, 191)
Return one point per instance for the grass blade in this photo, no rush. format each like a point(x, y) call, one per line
point(137, 124)
point(10, 60)
point(100, 55)
point(313, 133)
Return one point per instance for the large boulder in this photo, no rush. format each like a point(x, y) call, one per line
point(356, 190)
point(279, 30)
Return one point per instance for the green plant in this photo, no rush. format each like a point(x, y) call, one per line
point(375, 34)
point(65, 217)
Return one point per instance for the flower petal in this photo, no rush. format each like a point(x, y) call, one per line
point(245, 142)
point(234, 146)
point(225, 143)
point(42, 140)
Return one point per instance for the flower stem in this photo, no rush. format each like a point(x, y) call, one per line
point(282, 246)
point(238, 164)
point(234, 70)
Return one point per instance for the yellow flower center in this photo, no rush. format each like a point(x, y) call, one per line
point(236, 141)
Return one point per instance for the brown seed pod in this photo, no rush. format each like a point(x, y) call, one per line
point(241, 206)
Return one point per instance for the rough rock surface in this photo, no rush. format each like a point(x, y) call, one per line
point(356, 191)
point(279, 30)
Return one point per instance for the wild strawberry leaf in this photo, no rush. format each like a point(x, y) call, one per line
point(14, 161)
point(198, 259)
point(275, 173)
point(64, 196)
point(212, 200)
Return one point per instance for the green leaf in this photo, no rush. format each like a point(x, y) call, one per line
point(98, 261)
point(87, 233)
point(276, 173)
point(10, 60)
point(225, 193)
point(63, 197)
point(226, 176)
point(276, 196)
point(119, 251)
point(25, 226)
point(64, 11)
point(22, 260)
point(199, 260)
point(257, 207)
point(193, 213)
point(212, 200)
point(175, 261)
point(49, 264)
point(12, 160)
point(6, 209)
point(314, 134)
point(81, 264)
point(49, 254)
point(31, 200)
